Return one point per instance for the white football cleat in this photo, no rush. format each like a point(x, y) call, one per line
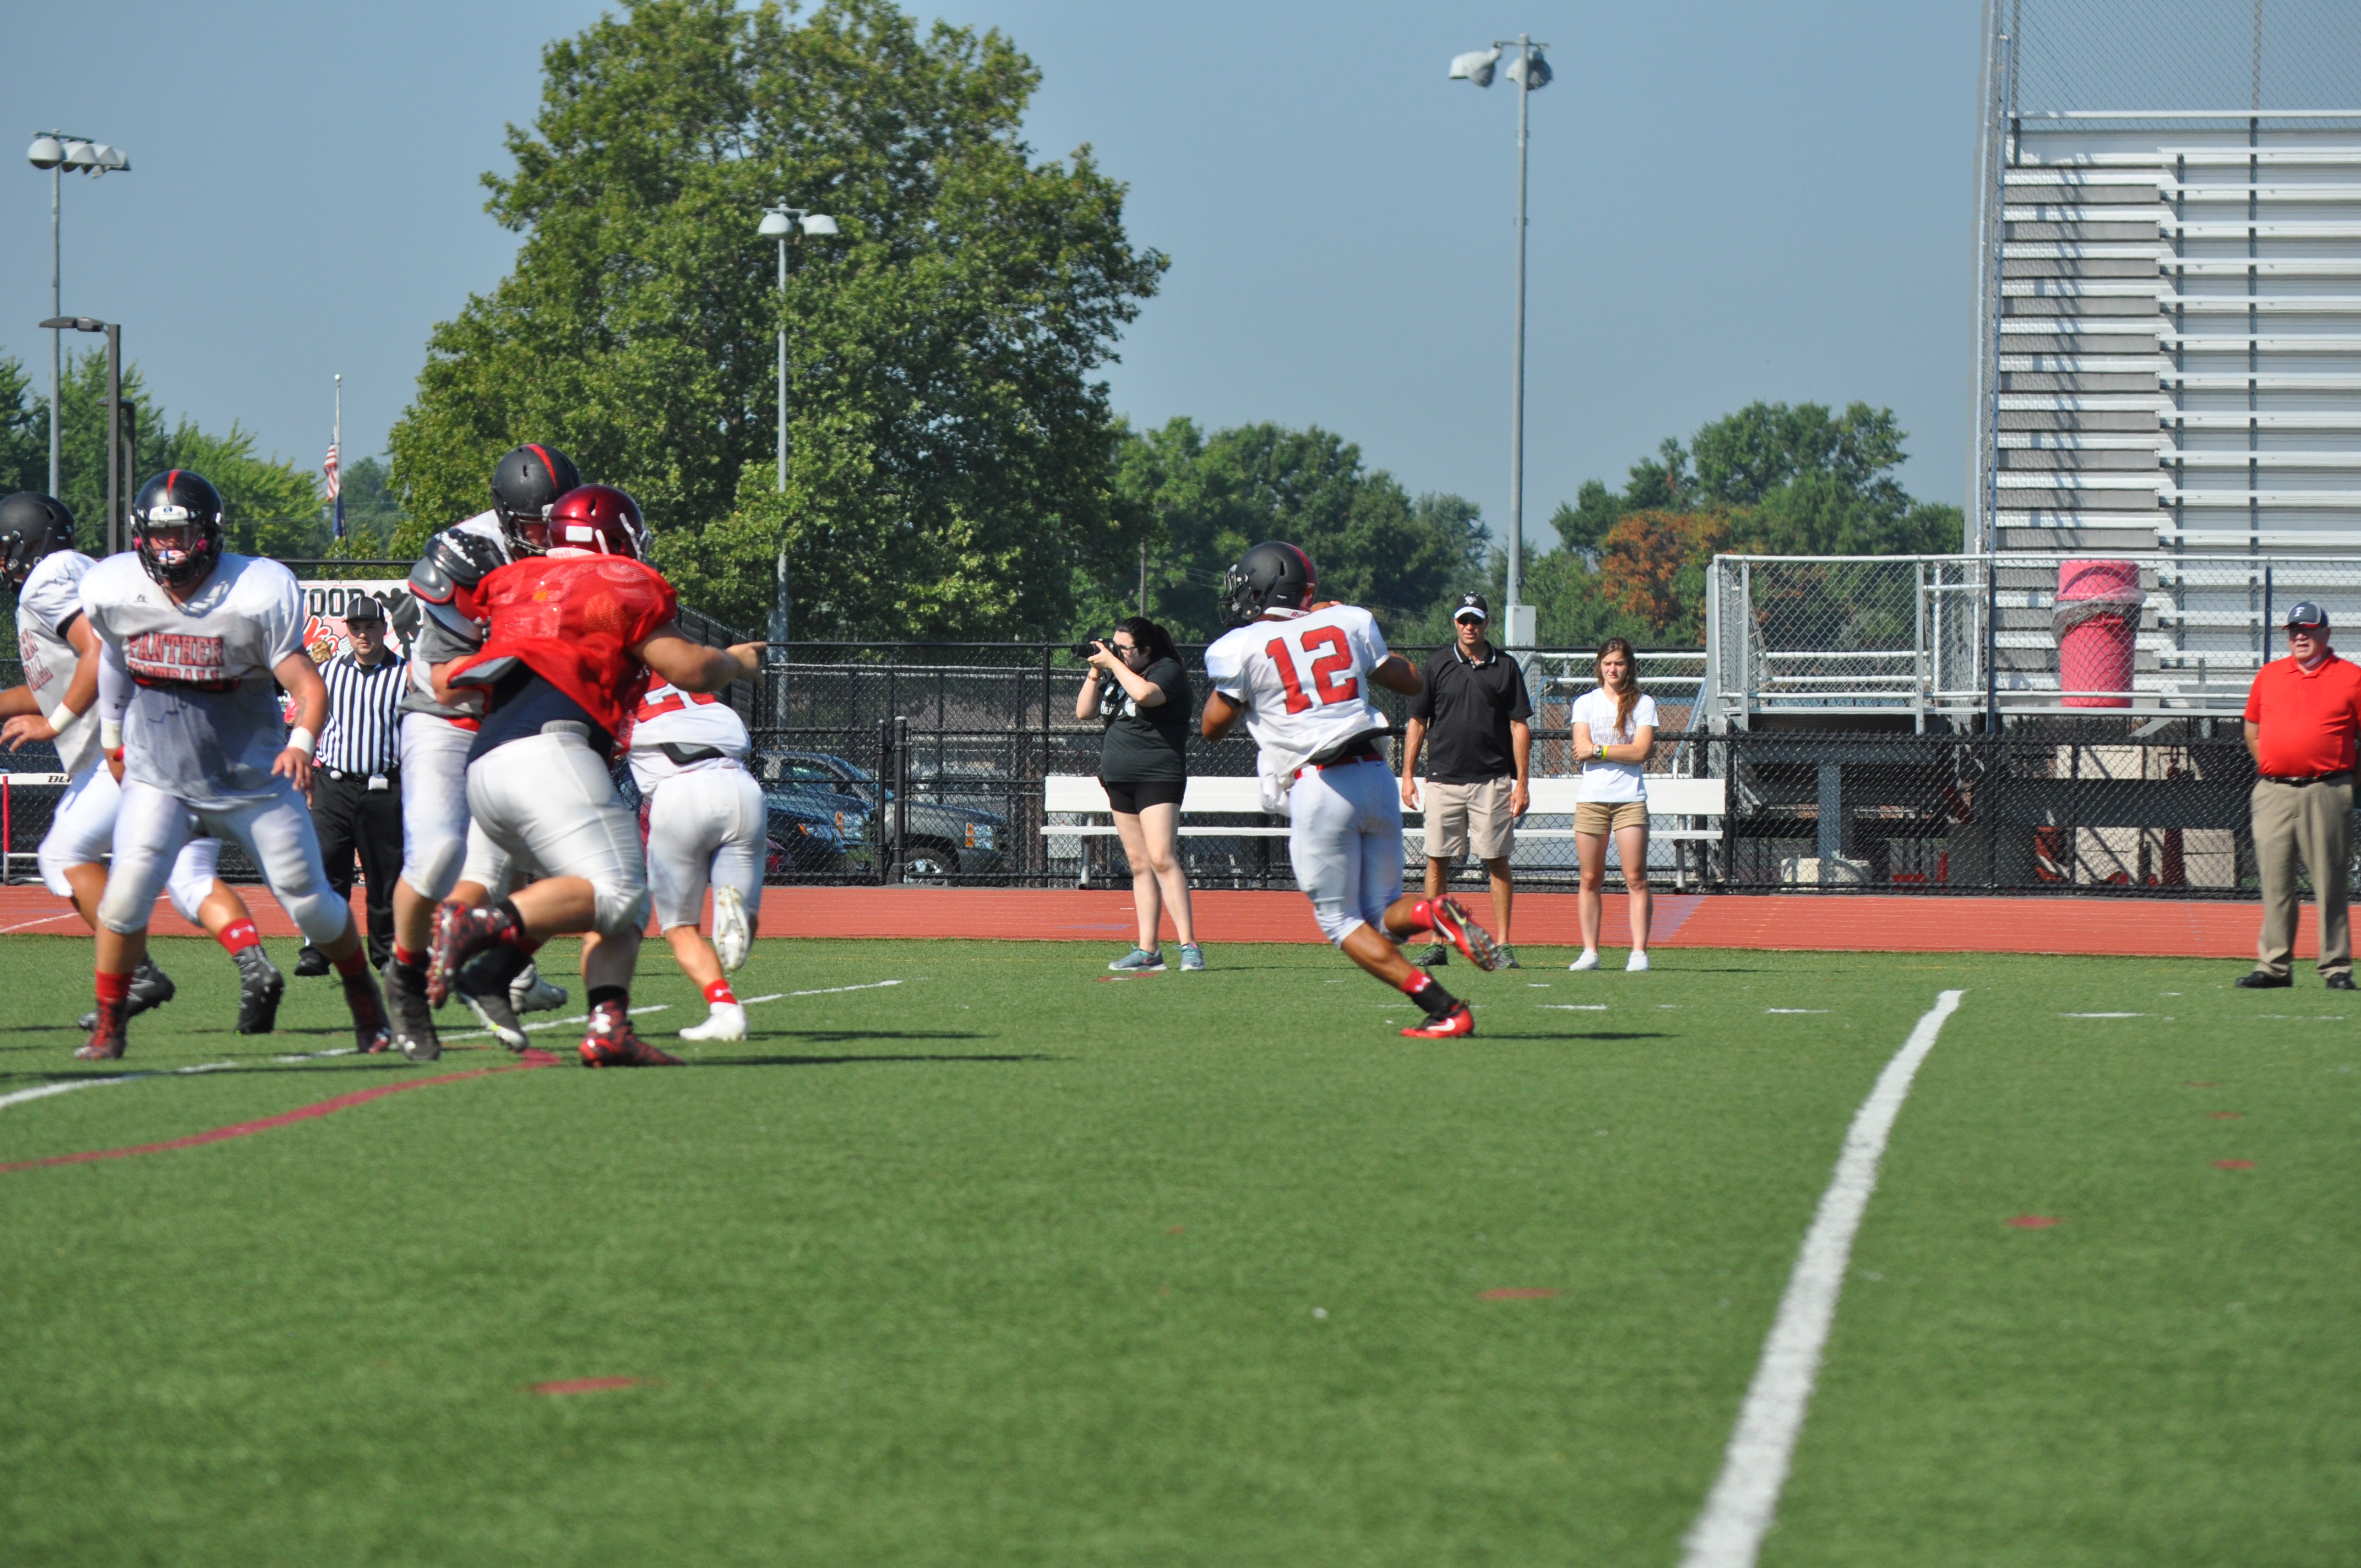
point(1636, 963)
point(1589, 959)
point(733, 933)
point(528, 993)
point(726, 1021)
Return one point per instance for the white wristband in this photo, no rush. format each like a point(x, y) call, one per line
point(301, 740)
point(63, 717)
point(110, 735)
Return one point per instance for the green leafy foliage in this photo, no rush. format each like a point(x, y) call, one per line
point(951, 451)
point(1201, 502)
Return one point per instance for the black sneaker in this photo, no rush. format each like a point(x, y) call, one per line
point(311, 963)
point(259, 987)
point(413, 1021)
point(150, 987)
point(2341, 980)
point(1437, 954)
point(2258, 981)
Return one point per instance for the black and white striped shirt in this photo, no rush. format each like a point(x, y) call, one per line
point(359, 736)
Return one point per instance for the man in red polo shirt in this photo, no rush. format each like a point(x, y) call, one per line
point(2302, 716)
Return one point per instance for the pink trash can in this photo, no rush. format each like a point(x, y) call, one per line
point(2096, 621)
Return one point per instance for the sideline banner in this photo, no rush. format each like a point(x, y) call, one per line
point(324, 598)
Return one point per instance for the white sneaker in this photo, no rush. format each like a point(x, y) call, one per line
point(528, 993)
point(726, 1021)
point(1637, 962)
point(732, 934)
point(1589, 959)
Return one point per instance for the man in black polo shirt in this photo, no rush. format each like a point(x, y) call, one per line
point(1472, 720)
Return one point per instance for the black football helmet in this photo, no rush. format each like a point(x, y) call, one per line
point(176, 527)
point(1271, 576)
point(31, 525)
point(525, 485)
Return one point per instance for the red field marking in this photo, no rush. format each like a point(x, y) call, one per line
point(2234, 1165)
point(2034, 1222)
point(2223, 1115)
point(533, 1059)
point(1514, 1293)
point(586, 1385)
point(1873, 923)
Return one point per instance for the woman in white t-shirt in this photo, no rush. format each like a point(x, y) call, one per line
point(1614, 731)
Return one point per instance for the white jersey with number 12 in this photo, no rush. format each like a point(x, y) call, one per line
point(668, 715)
point(1304, 682)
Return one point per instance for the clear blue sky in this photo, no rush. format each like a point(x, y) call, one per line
point(1730, 201)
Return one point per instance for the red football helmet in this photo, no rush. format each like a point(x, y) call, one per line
point(597, 519)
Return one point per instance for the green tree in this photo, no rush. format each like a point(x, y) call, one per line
point(23, 431)
point(1202, 502)
point(951, 452)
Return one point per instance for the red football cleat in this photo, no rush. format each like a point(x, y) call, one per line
point(1458, 1021)
point(461, 933)
point(611, 1042)
point(1452, 923)
point(371, 1033)
point(107, 1041)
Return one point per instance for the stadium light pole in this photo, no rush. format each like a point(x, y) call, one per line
point(113, 331)
point(57, 152)
point(1527, 71)
point(785, 225)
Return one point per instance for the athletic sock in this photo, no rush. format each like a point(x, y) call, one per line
point(1422, 917)
point(719, 995)
point(239, 936)
point(115, 988)
point(1428, 993)
point(601, 995)
point(353, 963)
point(409, 959)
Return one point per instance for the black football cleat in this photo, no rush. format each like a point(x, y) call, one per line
point(311, 963)
point(150, 987)
point(1433, 956)
point(411, 1022)
point(491, 1005)
point(259, 988)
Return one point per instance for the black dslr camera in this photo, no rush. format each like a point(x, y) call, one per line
point(1082, 651)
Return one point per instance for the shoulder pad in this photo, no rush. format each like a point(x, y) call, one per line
point(459, 559)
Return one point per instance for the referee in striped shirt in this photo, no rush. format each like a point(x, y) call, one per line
point(357, 777)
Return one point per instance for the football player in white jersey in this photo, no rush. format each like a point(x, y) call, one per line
point(61, 655)
point(706, 825)
point(440, 858)
point(1299, 673)
point(193, 637)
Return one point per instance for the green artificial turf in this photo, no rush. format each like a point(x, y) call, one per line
point(1015, 1262)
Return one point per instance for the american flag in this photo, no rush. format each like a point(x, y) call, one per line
point(335, 491)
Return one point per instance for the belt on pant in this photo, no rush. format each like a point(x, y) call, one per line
point(342, 773)
point(1338, 762)
point(2342, 775)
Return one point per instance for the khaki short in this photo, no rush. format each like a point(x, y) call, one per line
point(1460, 815)
point(1608, 815)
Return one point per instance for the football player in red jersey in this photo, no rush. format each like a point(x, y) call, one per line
point(572, 638)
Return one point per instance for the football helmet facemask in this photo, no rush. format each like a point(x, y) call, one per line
point(525, 484)
point(1271, 576)
point(597, 519)
point(176, 528)
point(31, 525)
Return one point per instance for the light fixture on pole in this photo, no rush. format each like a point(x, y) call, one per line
point(56, 152)
point(1528, 69)
point(785, 225)
point(116, 484)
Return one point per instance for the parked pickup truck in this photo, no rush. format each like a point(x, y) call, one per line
point(945, 840)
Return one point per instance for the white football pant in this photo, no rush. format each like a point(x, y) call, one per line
point(275, 830)
point(1344, 842)
point(434, 810)
point(705, 827)
point(83, 834)
point(548, 799)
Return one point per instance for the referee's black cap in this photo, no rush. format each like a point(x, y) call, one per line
point(2306, 614)
point(363, 606)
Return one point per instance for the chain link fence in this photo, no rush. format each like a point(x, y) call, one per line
point(2127, 57)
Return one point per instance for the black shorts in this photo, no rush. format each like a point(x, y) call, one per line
point(1127, 798)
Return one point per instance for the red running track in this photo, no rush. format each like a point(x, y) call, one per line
point(1799, 922)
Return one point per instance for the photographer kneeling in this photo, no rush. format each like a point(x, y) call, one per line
point(1137, 685)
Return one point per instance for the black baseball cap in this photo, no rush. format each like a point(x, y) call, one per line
point(1473, 604)
point(2305, 615)
point(363, 606)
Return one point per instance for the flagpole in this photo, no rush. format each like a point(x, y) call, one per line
point(337, 527)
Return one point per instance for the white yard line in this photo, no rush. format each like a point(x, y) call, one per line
point(1571, 1006)
point(1794, 1010)
point(2103, 1015)
point(1738, 1512)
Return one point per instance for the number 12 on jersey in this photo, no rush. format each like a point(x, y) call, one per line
point(1326, 687)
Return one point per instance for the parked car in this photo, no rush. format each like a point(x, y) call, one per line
point(945, 840)
point(803, 837)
